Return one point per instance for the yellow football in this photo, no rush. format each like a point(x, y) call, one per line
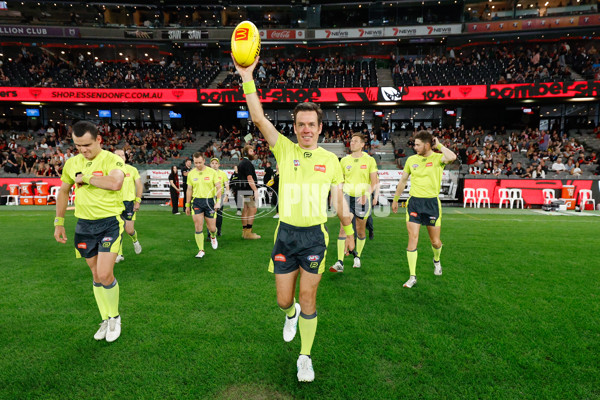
point(245, 43)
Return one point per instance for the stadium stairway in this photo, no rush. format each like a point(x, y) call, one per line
point(385, 78)
point(220, 78)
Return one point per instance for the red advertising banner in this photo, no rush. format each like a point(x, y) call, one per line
point(5, 182)
point(99, 95)
point(534, 23)
point(414, 93)
point(532, 188)
point(333, 95)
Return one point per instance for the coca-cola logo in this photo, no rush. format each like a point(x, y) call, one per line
point(281, 34)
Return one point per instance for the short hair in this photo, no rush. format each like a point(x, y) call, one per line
point(198, 154)
point(214, 159)
point(246, 150)
point(424, 137)
point(83, 127)
point(309, 107)
point(360, 136)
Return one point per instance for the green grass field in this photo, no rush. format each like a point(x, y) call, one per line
point(515, 315)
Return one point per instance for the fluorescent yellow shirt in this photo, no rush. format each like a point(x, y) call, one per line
point(91, 202)
point(357, 174)
point(128, 190)
point(203, 183)
point(425, 175)
point(305, 179)
point(222, 179)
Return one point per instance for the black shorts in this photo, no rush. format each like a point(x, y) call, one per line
point(424, 211)
point(128, 213)
point(296, 247)
point(361, 211)
point(204, 206)
point(101, 235)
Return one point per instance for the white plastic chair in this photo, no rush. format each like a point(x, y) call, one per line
point(12, 200)
point(53, 193)
point(548, 195)
point(482, 197)
point(71, 197)
point(262, 196)
point(504, 196)
point(585, 197)
point(469, 197)
point(516, 197)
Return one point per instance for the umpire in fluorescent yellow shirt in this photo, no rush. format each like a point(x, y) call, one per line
point(98, 176)
point(306, 175)
point(203, 188)
point(132, 198)
point(423, 207)
point(360, 181)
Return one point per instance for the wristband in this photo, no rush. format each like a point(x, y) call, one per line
point(86, 179)
point(59, 221)
point(138, 200)
point(396, 198)
point(187, 204)
point(439, 146)
point(249, 87)
point(348, 229)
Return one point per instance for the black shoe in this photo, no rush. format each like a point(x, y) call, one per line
point(371, 235)
point(218, 233)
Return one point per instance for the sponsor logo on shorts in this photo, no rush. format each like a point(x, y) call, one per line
point(82, 246)
point(106, 245)
point(313, 258)
point(280, 257)
point(296, 163)
point(98, 173)
point(415, 166)
point(196, 209)
point(364, 166)
point(320, 168)
point(429, 164)
point(414, 214)
point(107, 239)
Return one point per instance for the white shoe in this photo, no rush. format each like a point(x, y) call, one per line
point(137, 247)
point(200, 254)
point(276, 215)
point(412, 281)
point(291, 324)
point(356, 262)
point(214, 243)
point(238, 212)
point(437, 267)
point(114, 329)
point(101, 333)
point(177, 213)
point(337, 267)
point(119, 259)
point(305, 369)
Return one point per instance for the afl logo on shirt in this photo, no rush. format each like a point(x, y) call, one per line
point(296, 163)
point(415, 166)
point(195, 179)
point(349, 167)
